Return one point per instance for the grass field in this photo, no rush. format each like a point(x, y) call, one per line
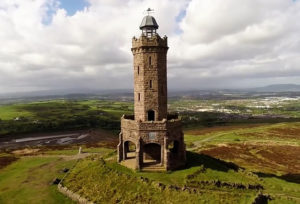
point(61, 115)
point(262, 146)
point(27, 178)
point(110, 183)
point(270, 151)
point(58, 115)
point(222, 163)
point(36, 110)
point(10, 112)
point(225, 165)
point(280, 106)
point(53, 108)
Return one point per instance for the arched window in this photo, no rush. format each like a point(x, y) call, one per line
point(151, 115)
point(150, 83)
point(129, 150)
point(139, 96)
point(138, 70)
point(150, 61)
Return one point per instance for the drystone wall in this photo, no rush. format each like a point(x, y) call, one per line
point(74, 196)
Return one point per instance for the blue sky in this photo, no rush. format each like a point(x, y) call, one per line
point(71, 6)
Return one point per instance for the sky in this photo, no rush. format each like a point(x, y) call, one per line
point(85, 44)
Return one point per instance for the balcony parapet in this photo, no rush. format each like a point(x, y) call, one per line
point(156, 40)
point(128, 122)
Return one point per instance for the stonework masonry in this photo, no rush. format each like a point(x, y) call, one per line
point(150, 76)
point(151, 138)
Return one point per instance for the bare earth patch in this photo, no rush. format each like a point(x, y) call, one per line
point(293, 133)
point(206, 130)
point(6, 160)
point(26, 151)
point(263, 157)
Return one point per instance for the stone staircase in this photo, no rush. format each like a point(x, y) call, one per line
point(153, 168)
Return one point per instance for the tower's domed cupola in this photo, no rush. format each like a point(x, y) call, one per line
point(149, 22)
point(149, 25)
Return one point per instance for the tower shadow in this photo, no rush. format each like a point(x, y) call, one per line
point(196, 159)
point(293, 178)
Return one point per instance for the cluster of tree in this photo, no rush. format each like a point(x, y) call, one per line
point(9, 127)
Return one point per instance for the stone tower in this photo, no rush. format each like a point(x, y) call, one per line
point(151, 138)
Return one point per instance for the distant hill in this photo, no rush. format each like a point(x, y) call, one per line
point(278, 88)
point(67, 93)
point(127, 94)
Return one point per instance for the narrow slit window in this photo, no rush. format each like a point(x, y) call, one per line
point(150, 83)
point(139, 96)
point(138, 70)
point(150, 62)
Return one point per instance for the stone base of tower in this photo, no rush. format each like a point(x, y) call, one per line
point(151, 145)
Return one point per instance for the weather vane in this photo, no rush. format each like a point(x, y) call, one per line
point(149, 11)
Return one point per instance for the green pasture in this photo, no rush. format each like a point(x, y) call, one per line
point(28, 180)
point(74, 151)
point(108, 182)
point(289, 108)
point(262, 134)
point(10, 112)
point(58, 115)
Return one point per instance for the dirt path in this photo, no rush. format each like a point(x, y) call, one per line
point(65, 157)
point(199, 142)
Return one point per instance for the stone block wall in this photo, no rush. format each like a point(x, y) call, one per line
point(73, 196)
point(150, 76)
point(163, 133)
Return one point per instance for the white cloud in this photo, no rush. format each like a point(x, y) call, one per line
point(219, 42)
point(239, 41)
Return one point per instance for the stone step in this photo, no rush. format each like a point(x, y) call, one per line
point(153, 168)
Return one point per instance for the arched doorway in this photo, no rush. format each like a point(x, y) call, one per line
point(151, 115)
point(173, 147)
point(129, 150)
point(151, 154)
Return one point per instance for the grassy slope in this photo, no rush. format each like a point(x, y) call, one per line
point(111, 183)
point(261, 139)
point(28, 181)
point(202, 168)
point(262, 134)
point(28, 178)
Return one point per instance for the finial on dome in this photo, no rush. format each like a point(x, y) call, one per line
point(149, 10)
